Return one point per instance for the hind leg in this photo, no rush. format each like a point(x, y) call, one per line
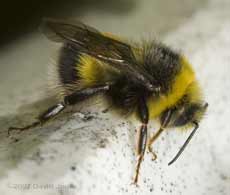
point(45, 116)
point(72, 99)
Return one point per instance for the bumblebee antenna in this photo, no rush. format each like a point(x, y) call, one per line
point(185, 144)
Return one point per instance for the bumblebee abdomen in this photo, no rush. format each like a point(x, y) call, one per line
point(92, 72)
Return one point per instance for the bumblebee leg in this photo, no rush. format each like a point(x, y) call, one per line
point(84, 94)
point(56, 109)
point(45, 116)
point(151, 140)
point(142, 136)
point(164, 122)
point(140, 150)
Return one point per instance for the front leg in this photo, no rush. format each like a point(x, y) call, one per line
point(164, 122)
point(151, 140)
point(142, 136)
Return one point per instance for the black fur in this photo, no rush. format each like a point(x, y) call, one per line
point(125, 93)
point(162, 63)
point(68, 59)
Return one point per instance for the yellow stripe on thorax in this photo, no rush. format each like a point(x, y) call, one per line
point(182, 80)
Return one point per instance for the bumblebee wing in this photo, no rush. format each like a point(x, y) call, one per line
point(88, 40)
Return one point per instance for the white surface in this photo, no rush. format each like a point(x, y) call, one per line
point(102, 149)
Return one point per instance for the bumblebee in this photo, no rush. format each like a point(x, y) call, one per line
point(147, 79)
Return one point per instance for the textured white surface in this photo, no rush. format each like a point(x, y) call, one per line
point(75, 155)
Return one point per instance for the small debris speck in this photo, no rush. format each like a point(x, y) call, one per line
point(73, 168)
point(72, 185)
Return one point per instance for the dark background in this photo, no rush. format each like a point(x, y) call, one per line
point(23, 16)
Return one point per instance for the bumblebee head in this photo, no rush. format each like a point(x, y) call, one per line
point(187, 112)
